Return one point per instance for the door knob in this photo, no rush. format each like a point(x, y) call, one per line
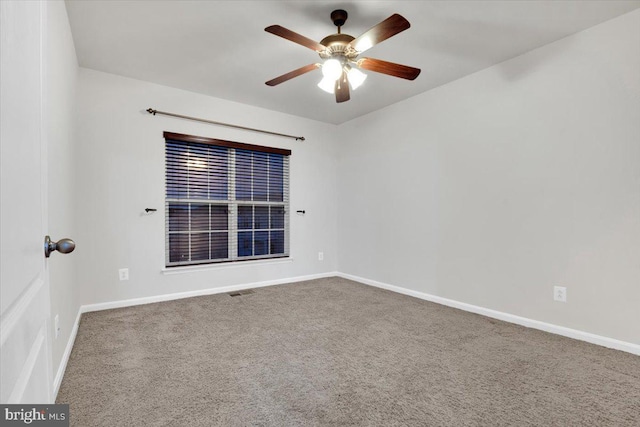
point(63, 246)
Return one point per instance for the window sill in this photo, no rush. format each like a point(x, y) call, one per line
point(222, 266)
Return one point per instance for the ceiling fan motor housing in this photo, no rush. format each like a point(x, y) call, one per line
point(338, 45)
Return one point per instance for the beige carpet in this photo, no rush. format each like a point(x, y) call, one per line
point(332, 352)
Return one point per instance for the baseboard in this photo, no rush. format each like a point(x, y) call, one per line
point(523, 321)
point(211, 291)
point(511, 318)
point(65, 356)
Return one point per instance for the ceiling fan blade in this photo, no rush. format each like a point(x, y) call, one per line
point(390, 68)
point(295, 37)
point(342, 89)
point(291, 74)
point(379, 33)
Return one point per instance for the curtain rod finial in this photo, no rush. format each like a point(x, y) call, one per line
point(151, 111)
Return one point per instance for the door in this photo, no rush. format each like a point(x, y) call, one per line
point(25, 359)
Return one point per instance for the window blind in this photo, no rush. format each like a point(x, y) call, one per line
point(225, 201)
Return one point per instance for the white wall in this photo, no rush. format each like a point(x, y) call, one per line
point(488, 190)
point(120, 158)
point(60, 79)
point(494, 188)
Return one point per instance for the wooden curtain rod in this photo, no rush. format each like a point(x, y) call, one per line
point(154, 112)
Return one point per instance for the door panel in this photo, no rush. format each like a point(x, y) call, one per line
point(25, 364)
point(24, 351)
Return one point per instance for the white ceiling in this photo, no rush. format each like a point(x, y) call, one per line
point(220, 48)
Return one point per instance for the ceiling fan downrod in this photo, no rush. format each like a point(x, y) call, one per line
point(339, 17)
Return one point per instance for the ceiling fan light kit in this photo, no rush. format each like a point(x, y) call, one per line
point(332, 69)
point(340, 54)
point(356, 77)
point(327, 85)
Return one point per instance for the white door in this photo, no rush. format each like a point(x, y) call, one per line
point(25, 358)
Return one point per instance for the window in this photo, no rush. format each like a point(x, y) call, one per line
point(225, 201)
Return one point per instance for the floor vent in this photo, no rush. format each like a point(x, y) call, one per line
point(243, 292)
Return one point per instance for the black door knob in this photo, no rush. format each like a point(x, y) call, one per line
point(63, 246)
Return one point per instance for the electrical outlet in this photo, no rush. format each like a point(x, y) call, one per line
point(56, 325)
point(320, 256)
point(560, 293)
point(123, 273)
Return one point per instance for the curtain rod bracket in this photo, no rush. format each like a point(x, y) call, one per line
point(180, 116)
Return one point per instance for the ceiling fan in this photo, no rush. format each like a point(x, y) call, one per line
point(340, 54)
